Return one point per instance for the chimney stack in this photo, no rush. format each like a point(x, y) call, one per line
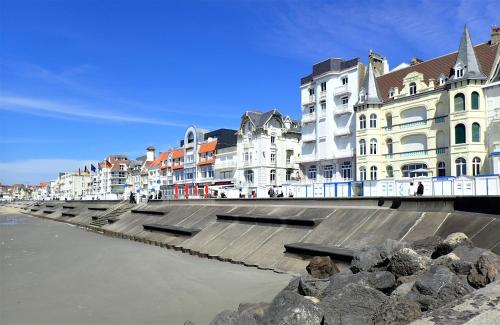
point(495, 34)
point(379, 62)
point(150, 153)
point(415, 61)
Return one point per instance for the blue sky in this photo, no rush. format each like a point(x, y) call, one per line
point(83, 79)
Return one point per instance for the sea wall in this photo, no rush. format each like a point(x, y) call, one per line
point(254, 232)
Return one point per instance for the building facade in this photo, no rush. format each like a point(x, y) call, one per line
point(268, 149)
point(328, 95)
point(428, 119)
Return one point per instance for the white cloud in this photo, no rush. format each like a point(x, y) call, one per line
point(34, 171)
point(63, 110)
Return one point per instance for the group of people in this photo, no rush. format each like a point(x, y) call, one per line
point(277, 193)
point(416, 191)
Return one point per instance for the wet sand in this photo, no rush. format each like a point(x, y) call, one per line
point(54, 273)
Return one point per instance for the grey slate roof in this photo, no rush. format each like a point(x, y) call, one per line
point(331, 64)
point(467, 57)
point(225, 137)
point(259, 119)
point(371, 88)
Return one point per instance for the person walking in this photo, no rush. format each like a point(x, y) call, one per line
point(420, 189)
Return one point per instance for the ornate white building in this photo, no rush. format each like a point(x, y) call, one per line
point(268, 149)
point(328, 131)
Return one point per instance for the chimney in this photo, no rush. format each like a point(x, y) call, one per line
point(495, 34)
point(379, 62)
point(415, 61)
point(150, 153)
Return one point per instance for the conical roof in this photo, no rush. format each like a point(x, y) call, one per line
point(370, 88)
point(467, 57)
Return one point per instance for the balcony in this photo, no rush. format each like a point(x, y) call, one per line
point(341, 110)
point(343, 131)
point(342, 90)
point(344, 153)
point(416, 153)
point(415, 124)
point(309, 117)
point(219, 165)
point(322, 95)
point(309, 100)
point(309, 137)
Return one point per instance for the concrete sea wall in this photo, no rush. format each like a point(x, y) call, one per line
point(255, 232)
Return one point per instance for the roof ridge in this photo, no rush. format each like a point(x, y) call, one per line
point(437, 57)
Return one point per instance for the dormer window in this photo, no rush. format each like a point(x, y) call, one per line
point(311, 91)
point(362, 96)
point(442, 80)
point(459, 71)
point(413, 88)
point(391, 93)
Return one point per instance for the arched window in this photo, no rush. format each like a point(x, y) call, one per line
point(413, 88)
point(190, 137)
point(476, 132)
point(272, 175)
point(390, 171)
point(461, 166)
point(459, 102)
point(476, 166)
point(362, 173)
point(248, 176)
point(441, 169)
point(389, 146)
point(311, 172)
point(459, 134)
point(373, 173)
point(362, 147)
point(388, 118)
point(373, 147)
point(474, 100)
point(346, 170)
point(362, 122)
point(391, 92)
point(373, 121)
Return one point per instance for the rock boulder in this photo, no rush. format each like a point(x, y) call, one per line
point(322, 267)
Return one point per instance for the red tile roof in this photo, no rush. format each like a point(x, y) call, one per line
point(157, 162)
point(177, 153)
point(208, 147)
point(434, 67)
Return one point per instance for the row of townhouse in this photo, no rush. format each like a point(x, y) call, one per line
point(439, 117)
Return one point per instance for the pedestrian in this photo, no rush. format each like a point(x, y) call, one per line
point(290, 194)
point(131, 197)
point(420, 189)
point(270, 192)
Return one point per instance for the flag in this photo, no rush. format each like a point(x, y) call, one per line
point(92, 168)
point(108, 164)
point(206, 190)
point(79, 172)
point(85, 170)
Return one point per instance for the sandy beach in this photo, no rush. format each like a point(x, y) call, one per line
point(54, 273)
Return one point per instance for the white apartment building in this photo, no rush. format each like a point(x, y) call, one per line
point(268, 148)
point(328, 127)
point(73, 185)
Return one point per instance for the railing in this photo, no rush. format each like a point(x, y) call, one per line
point(416, 153)
point(409, 125)
point(344, 153)
point(344, 109)
point(309, 117)
point(342, 131)
point(308, 100)
point(311, 137)
point(341, 90)
point(322, 94)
